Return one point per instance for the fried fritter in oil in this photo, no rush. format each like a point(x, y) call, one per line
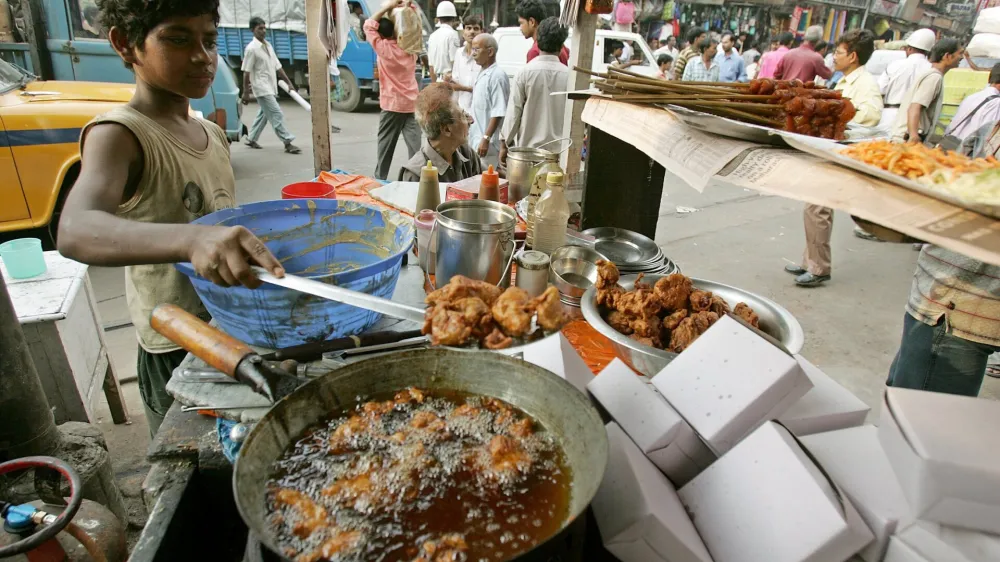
point(747, 314)
point(701, 300)
point(671, 321)
point(719, 306)
point(338, 543)
point(673, 291)
point(549, 310)
point(512, 311)
point(449, 548)
point(460, 287)
point(310, 515)
point(607, 275)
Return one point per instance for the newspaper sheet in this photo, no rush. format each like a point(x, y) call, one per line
point(922, 217)
point(702, 158)
point(691, 154)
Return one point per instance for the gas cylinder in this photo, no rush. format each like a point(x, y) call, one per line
point(80, 531)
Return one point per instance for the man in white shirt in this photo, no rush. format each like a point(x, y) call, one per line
point(978, 110)
point(899, 76)
point(444, 42)
point(464, 72)
point(354, 19)
point(534, 117)
point(489, 100)
point(260, 72)
point(627, 52)
point(668, 47)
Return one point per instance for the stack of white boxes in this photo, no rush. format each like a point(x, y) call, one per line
point(699, 472)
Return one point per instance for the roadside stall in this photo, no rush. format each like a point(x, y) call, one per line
point(444, 405)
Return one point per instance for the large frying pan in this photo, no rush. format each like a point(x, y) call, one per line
point(554, 403)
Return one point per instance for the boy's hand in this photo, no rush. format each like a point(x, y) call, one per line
point(223, 255)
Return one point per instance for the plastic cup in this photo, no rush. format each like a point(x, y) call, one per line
point(23, 257)
point(308, 190)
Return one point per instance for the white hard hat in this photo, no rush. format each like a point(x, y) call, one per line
point(922, 39)
point(446, 10)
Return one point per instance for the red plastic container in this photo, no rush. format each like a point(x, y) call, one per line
point(308, 190)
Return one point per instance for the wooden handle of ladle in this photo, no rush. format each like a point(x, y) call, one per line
point(219, 350)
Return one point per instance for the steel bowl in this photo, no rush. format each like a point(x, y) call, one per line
point(565, 413)
point(573, 269)
point(775, 320)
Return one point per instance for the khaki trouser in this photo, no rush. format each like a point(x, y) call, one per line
point(819, 228)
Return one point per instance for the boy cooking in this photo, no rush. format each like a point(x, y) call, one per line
point(148, 169)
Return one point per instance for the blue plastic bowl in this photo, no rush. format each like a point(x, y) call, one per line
point(342, 243)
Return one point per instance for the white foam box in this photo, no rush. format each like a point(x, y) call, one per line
point(556, 354)
point(828, 406)
point(637, 509)
point(729, 382)
point(765, 500)
point(945, 450)
point(855, 460)
point(932, 542)
point(655, 427)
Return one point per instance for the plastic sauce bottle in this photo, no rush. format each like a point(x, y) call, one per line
point(538, 187)
point(428, 191)
point(551, 216)
point(489, 189)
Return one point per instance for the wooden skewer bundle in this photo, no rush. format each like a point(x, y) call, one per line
point(735, 100)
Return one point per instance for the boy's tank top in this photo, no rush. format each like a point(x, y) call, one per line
point(178, 184)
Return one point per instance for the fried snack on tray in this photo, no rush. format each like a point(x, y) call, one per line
point(917, 161)
point(465, 310)
point(747, 314)
point(460, 287)
point(669, 315)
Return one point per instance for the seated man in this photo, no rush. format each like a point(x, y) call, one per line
point(446, 130)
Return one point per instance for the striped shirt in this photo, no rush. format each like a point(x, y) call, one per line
point(963, 290)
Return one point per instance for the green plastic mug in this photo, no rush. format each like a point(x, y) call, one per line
point(23, 257)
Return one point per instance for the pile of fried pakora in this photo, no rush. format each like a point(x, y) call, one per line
point(465, 310)
point(668, 315)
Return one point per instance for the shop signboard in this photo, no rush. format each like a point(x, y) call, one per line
point(956, 9)
point(885, 7)
point(793, 25)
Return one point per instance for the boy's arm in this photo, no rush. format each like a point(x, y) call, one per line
point(90, 232)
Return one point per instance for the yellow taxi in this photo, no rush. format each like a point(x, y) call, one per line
point(40, 123)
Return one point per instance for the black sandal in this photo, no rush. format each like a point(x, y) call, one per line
point(292, 149)
point(253, 144)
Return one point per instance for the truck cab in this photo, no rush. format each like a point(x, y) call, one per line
point(512, 51)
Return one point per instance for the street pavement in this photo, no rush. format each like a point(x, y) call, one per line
point(735, 236)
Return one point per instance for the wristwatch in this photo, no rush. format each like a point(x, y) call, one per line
point(486, 137)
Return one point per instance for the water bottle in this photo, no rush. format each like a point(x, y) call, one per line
point(551, 215)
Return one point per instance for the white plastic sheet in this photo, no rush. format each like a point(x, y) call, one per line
point(289, 15)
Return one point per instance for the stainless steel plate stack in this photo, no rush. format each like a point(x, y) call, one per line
point(632, 252)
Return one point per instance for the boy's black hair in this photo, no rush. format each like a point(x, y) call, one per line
point(786, 38)
point(386, 28)
point(136, 18)
point(664, 59)
point(860, 42)
point(255, 21)
point(820, 46)
point(995, 74)
point(944, 47)
point(531, 9)
point(473, 20)
point(551, 35)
